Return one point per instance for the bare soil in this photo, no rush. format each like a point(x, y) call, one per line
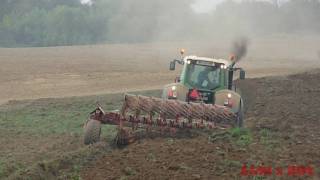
point(32, 73)
point(282, 115)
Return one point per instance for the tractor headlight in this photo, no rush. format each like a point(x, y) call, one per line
point(228, 102)
point(223, 66)
point(175, 94)
point(172, 93)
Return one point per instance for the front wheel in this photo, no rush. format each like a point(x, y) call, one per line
point(92, 132)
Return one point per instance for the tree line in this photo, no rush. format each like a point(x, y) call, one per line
point(60, 22)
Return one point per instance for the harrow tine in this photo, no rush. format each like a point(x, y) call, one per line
point(174, 108)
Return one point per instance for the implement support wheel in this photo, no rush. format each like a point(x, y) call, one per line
point(92, 132)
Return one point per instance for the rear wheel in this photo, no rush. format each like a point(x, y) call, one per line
point(92, 132)
point(240, 116)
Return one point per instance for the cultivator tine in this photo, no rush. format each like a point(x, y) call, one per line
point(164, 115)
point(173, 108)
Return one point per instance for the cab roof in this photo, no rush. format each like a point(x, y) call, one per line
point(223, 61)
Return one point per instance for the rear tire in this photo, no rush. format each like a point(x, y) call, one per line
point(240, 116)
point(92, 132)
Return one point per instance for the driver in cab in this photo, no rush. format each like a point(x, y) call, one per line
point(207, 78)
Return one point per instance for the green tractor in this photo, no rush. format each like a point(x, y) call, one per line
point(209, 81)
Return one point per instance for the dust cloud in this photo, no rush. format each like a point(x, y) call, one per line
point(179, 20)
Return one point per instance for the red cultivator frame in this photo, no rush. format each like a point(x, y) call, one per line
point(165, 116)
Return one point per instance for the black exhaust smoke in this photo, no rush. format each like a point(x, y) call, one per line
point(239, 49)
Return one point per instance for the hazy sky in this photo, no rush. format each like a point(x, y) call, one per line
point(203, 6)
point(87, 2)
point(200, 6)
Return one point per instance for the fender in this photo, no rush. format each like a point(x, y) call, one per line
point(180, 89)
point(222, 95)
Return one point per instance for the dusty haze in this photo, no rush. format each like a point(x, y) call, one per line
point(31, 73)
point(141, 20)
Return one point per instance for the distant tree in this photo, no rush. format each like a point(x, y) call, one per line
point(61, 22)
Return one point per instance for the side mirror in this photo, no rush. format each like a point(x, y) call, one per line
point(242, 74)
point(172, 66)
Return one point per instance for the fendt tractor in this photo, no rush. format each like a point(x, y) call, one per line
point(203, 97)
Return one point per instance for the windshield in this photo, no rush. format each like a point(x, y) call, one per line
point(202, 77)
